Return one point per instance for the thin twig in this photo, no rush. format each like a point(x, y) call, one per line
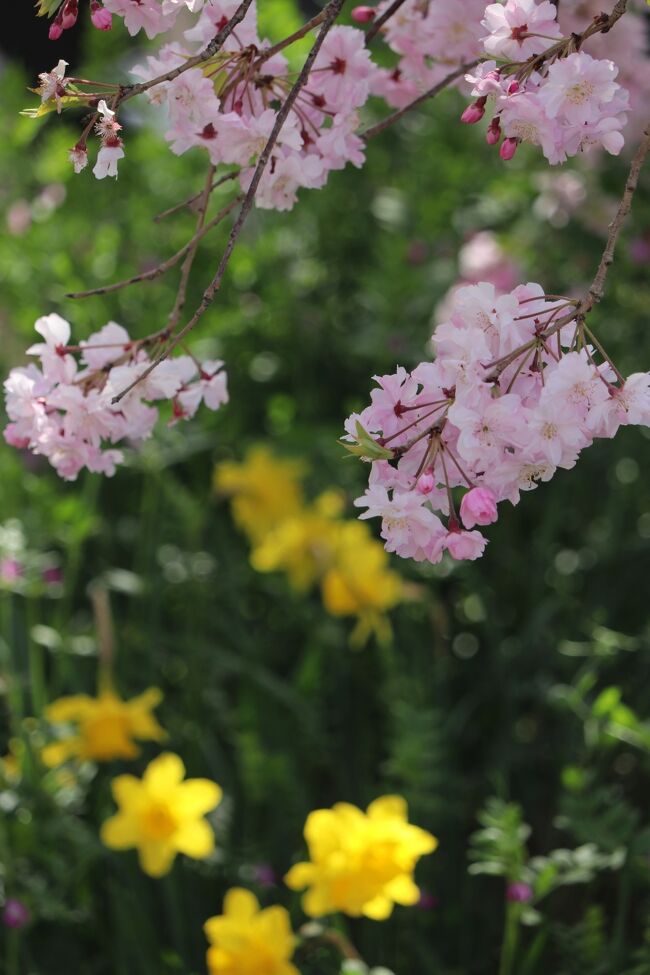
point(431, 93)
point(379, 23)
point(193, 199)
point(296, 36)
point(166, 265)
point(332, 11)
point(186, 268)
point(215, 45)
point(596, 291)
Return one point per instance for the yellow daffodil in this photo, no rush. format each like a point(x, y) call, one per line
point(248, 941)
point(265, 490)
point(162, 815)
point(303, 544)
point(361, 863)
point(106, 726)
point(360, 583)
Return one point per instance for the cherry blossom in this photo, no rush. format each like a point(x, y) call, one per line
point(64, 408)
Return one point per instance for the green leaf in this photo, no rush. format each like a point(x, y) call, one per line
point(606, 701)
point(367, 448)
point(47, 8)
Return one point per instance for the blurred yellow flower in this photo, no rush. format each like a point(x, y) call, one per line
point(303, 544)
point(360, 583)
point(248, 941)
point(312, 543)
point(162, 815)
point(106, 726)
point(361, 863)
point(264, 490)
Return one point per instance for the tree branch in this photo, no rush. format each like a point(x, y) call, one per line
point(331, 12)
point(166, 265)
point(431, 93)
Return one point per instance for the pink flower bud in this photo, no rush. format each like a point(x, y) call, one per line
point(493, 133)
point(508, 148)
point(513, 87)
point(69, 14)
point(478, 507)
point(362, 15)
point(426, 483)
point(465, 545)
point(56, 29)
point(474, 113)
point(101, 17)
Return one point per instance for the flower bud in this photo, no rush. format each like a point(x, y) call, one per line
point(478, 507)
point(69, 14)
point(426, 483)
point(508, 148)
point(493, 133)
point(101, 18)
point(362, 15)
point(474, 113)
point(56, 28)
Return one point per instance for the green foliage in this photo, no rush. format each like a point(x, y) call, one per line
point(522, 676)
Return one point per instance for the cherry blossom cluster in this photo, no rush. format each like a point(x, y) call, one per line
point(626, 45)
point(517, 389)
point(229, 105)
point(430, 39)
point(64, 410)
point(543, 89)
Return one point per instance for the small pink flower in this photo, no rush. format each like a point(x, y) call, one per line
point(15, 914)
point(508, 148)
point(474, 112)
point(519, 893)
point(10, 570)
point(465, 545)
point(101, 18)
point(478, 507)
point(362, 15)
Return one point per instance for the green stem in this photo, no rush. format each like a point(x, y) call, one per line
point(510, 939)
point(12, 957)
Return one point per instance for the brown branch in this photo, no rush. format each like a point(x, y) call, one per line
point(379, 23)
point(166, 265)
point(186, 268)
point(215, 45)
point(332, 11)
point(296, 36)
point(193, 199)
point(596, 291)
point(431, 93)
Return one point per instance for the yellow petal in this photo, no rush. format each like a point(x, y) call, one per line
point(120, 832)
point(379, 908)
point(156, 858)
point(164, 774)
point(196, 797)
point(195, 839)
point(317, 903)
point(127, 790)
point(240, 904)
point(69, 708)
point(59, 752)
point(299, 876)
point(389, 807)
point(143, 724)
point(403, 890)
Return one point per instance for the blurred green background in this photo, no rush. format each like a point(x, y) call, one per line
point(498, 682)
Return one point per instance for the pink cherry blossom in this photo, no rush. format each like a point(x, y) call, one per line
point(478, 507)
point(519, 28)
